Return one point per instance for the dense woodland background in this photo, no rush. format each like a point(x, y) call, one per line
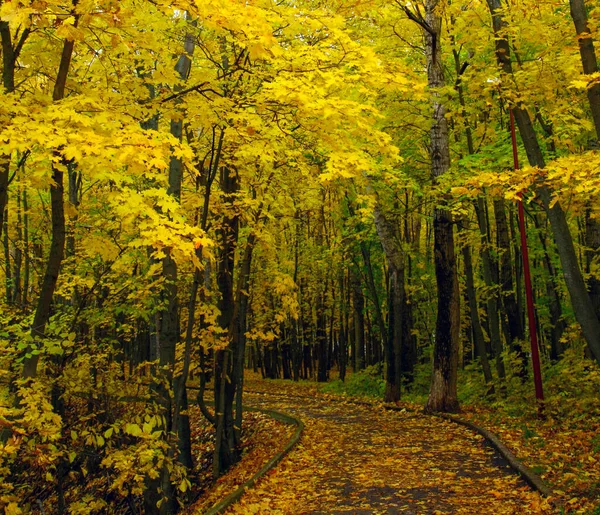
point(313, 189)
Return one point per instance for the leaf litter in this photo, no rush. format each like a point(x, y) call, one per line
point(358, 458)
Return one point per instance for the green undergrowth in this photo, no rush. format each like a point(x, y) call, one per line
point(365, 383)
point(563, 447)
point(571, 387)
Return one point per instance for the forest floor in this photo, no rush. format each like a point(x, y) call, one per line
point(357, 458)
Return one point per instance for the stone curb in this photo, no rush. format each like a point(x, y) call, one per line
point(236, 495)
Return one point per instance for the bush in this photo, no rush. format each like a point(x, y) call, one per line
point(366, 383)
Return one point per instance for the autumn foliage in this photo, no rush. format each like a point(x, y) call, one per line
point(312, 190)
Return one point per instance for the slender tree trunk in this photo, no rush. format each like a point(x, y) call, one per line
point(26, 247)
point(358, 303)
point(239, 328)
point(321, 337)
point(492, 296)
point(478, 337)
point(57, 246)
point(343, 342)
point(557, 324)
point(10, 53)
point(374, 295)
point(225, 453)
point(516, 332)
point(18, 261)
point(8, 285)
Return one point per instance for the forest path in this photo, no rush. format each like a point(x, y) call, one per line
point(361, 459)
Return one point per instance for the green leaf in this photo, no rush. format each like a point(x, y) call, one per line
point(133, 429)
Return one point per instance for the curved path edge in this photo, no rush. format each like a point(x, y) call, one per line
point(530, 477)
point(535, 481)
point(237, 494)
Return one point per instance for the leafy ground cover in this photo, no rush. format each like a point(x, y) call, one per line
point(359, 458)
point(263, 437)
point(563, 448)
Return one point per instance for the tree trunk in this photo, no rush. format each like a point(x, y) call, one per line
point(478, 337)
point(226, 453)
point(492, 296)
point(26, 247)
point(10, 53)
point(57, 245)
point(321, 337)
point(443, 393)
point(358, 303)
point(516, 332)
point(392, 246)
point(373, 294)
point(590, 66)
point(8, 280)
point(17, 291)
point(580, 299)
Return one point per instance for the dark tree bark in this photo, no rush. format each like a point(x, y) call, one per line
point(17, 291)
point(57, 245)
point(590, 66)
point(374, 295)
point(492, 310)
point(395, 343)
point(443, 393)
point(516, 331)
point(358, 303)
point(557, 324)
point(8, 280)
point(580, 299)
point(10, 54)
point(478, 337)
point(226, 452)
point(239, 328)
point(321, 340)
point(588, 56)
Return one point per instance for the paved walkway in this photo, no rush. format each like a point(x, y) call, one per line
point(360, 459)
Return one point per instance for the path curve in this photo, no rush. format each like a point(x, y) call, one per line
point(363, 460)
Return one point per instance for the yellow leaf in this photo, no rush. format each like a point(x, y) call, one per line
point(133, 429)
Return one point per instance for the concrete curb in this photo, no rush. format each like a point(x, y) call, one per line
point(532, 479)
point(236, 495)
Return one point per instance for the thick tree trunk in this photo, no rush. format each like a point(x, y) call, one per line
point(580, 299)
point(443, 394)
point(590, 66)
point(588, 56)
